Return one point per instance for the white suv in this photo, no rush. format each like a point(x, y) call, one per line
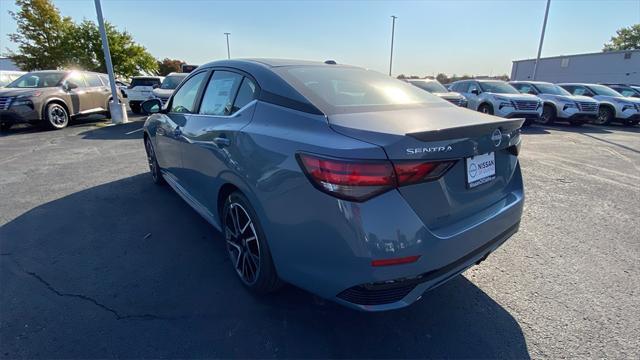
point(613, 105)
point(169, 85)
point(141, 89)
point(498, 98)
point(437, 89)
point(559, 104)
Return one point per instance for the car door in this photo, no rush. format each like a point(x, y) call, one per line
point(169, 129)
point(472, 93)
point(97, 91)
point(77, 98)
point(213, 133)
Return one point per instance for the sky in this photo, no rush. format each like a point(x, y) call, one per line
point(454, 37)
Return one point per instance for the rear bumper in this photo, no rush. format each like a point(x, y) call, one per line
point(328, 248)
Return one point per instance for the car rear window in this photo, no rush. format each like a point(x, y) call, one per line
point(145, 82)
point(347, 89)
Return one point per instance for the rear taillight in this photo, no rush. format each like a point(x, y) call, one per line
point(359, 180)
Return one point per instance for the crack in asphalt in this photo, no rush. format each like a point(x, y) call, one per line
point(113, 311)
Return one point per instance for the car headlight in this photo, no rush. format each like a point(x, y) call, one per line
point(569, 105)
point(25, 99)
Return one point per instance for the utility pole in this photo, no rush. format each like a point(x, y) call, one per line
point(228, 52)
point(544, 28)
point(118, 110)
point(393, 29)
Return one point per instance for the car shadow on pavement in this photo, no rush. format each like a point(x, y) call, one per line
point(130, 130)
point(127, 269)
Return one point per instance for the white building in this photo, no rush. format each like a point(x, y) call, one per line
point(7, 64)
point(603, 67)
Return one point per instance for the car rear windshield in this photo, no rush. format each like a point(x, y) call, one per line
point(347, 89)
point(430, 86)
point(38, 80)
point(551, 89)
point(172, 82)
point(498, 87)
point(145, 82)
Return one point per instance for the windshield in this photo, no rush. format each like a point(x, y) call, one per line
point(38, 80)
point(497, 87)
point(145, 82)
point(345, 89)
point(551, 89)
point(430, 86)
point(626, 91)
point(172, 82)
point(603, 90)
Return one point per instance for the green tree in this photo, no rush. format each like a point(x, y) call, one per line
point(46, 40)
point(442, 78)
point(167, 66)
point(627, 38)
point(41, 35)
point(128, 57)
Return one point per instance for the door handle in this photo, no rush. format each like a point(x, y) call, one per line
point(222, 141)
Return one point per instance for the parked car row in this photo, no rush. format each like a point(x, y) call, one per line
point(53, 97)
point(543, 102)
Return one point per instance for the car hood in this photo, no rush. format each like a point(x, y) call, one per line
point(17, 92)
point(163, 93)
point(448, 95)
point(568, 98)
point(516, 96)
point(616, 99)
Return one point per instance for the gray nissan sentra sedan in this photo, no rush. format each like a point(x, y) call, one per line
point(348, 183)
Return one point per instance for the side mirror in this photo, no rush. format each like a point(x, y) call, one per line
point(155, 86)
point(151, 106)
point(532, 92)
point(70, 86)
point(475, 92)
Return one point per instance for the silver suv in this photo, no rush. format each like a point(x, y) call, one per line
point(613, 105)
point(559, 104)
point(498, 98)
point(437, 89)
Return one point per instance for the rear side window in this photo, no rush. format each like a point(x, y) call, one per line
point(246, 94)
point(145, 82)
point(92, 80)
point(218, 98)
point(185, 98)
point(336, 89)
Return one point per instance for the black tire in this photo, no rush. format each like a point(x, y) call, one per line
point(485, 109)
point(548, 116)
point(605, 116)
point(56, 116)
point(135, 108)
point(576, 122)
point(247, 245)
point(5, 126)
point(154, 168)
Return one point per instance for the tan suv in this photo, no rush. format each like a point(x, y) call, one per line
point(53, 97)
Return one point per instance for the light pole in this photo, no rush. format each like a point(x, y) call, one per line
point(228, 53)
point(116, 108)
point(544, 27)
point(393, 29)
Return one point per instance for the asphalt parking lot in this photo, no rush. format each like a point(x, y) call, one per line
point(96, 261)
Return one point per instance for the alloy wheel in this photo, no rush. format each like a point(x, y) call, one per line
point(57, 116)
point(151, 159)
point(603, 116)
point(242, 243)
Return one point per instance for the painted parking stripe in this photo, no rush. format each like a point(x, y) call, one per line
point(134, 131)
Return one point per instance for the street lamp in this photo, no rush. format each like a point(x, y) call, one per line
point(228, 53)
point(544, 27)
point(393, 28)
point(117, 109)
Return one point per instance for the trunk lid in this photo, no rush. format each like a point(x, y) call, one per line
point(441, 132)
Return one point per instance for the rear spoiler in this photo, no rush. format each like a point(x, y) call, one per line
point(469, 131)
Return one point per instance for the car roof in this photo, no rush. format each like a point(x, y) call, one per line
point(529, 82)
point(178, 74)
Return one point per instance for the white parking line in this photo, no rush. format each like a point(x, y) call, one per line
point(134, 131)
